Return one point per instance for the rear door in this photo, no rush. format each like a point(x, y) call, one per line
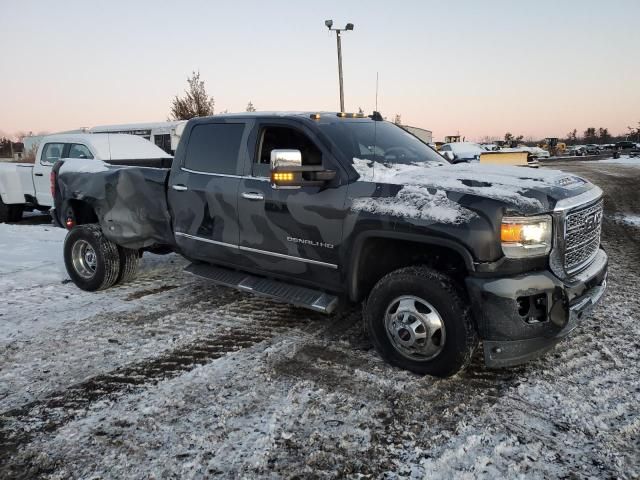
point(291, 232)
point(203, 192)
point(51, 153)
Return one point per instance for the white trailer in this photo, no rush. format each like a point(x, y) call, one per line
point(164, 135)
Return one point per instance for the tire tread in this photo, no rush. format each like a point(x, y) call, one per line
point(455, 296)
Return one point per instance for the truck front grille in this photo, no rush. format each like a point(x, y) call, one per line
point(582, 236)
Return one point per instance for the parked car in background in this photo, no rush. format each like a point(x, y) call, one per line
point(26, 186)
point(576, 150)
point(625, 145)
point(490, 147)
point(591, 149)
point(458, 152)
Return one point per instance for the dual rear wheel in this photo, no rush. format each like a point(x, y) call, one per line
point(94, 262)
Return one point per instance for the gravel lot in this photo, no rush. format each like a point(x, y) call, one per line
point(171, 377)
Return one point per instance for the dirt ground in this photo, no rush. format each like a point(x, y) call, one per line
point(172, 377)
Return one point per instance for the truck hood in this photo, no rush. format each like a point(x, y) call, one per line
point(521, 189)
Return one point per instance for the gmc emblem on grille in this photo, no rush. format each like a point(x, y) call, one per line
point(592, 221)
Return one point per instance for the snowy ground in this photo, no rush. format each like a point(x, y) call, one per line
point(171, 377)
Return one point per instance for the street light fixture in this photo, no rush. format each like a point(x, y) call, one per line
point(348, 27)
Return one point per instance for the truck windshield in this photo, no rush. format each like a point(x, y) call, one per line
point(382, 142)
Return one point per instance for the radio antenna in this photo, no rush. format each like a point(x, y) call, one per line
point(377, 92)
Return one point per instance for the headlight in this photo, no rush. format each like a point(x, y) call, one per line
point(526, 236)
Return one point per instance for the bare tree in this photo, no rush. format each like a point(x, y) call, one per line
point(572, 136)
point(590, 135)
point(512, 140)
point(250, 107)
point(195, 103)
point(634, 132)
point(604, 135)
point(398, 119)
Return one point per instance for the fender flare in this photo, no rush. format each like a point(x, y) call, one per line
point(352, 277)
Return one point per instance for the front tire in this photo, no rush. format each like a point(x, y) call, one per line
point(92, 261)
point(417, 319)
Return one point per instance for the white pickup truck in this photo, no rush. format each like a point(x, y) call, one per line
point(27, 186)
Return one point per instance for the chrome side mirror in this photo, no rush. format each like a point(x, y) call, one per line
point(287, 171)
point(286, 166)
point(283, 159)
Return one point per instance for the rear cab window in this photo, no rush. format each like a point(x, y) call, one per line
point(51, 153)
point(213, 148)
point(77, 150)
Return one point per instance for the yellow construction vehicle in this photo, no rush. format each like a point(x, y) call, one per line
point(553, 146)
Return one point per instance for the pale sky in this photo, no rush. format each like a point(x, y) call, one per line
point(538, 68)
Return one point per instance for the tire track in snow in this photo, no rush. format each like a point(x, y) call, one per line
point(43, 417)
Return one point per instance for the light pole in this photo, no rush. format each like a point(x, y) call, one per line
point(349, 26)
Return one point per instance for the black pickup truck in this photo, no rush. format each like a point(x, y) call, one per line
point(326, 210)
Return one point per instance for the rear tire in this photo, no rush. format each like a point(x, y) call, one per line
point(418, 319)
point(129, 260)
point(10, 213)
point(16, 213)
point(92, 261)
point(4, 212)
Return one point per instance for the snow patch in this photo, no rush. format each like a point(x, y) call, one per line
point(629, 219)
point(82, 165)
point(503, 183)
point(623, 160)
point(416, 202)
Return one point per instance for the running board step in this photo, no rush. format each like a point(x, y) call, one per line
point(294, 294)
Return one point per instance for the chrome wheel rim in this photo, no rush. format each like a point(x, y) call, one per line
point(84, 259)
point(415, 328)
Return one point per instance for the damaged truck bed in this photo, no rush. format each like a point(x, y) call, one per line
point(129, 203)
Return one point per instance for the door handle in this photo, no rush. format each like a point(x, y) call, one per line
point(179, 188)
point(38, 174)
point(253, 196)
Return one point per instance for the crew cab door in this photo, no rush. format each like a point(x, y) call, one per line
point(51, 153)
point(203, 191)
point(291, 232)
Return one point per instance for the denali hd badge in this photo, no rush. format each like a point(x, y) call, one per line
point(570, 182)
point(309, 242)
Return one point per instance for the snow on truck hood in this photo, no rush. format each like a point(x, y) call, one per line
point(425, 188)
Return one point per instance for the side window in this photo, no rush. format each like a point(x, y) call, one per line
point(163, 141)
point(276, 138)
point(79, 151)
point(51, 153)
point(445, 148)
point(214, 148)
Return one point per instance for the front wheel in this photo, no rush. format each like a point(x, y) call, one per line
point(418, 320)
point(92, 261)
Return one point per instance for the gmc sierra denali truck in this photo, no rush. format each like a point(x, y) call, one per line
point(326, 210)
